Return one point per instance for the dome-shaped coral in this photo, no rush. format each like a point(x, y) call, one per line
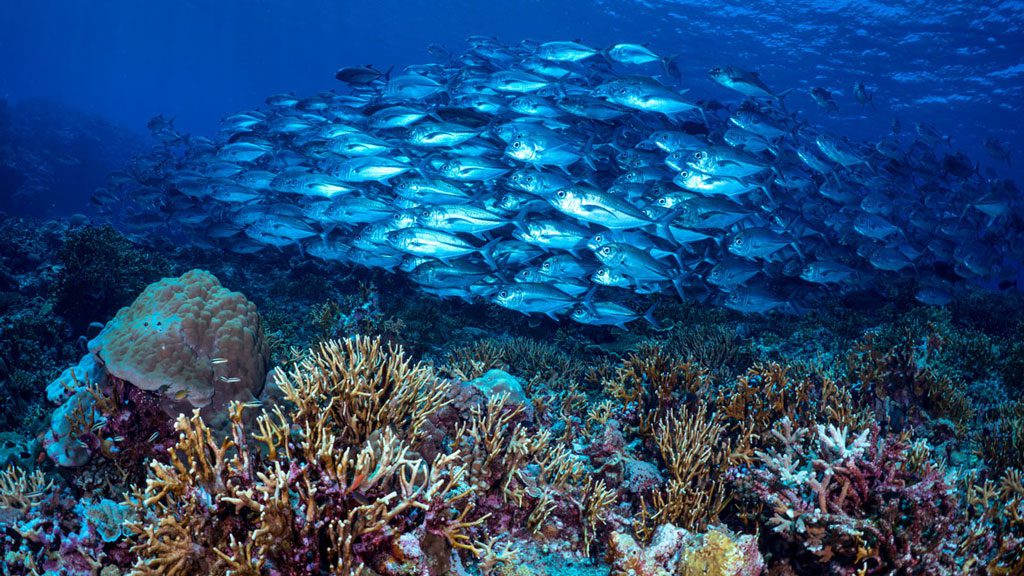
point(189, 339)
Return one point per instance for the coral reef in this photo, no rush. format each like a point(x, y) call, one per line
point(337, 480)
point(396, 437)
point(101, 271)
point(853, 498)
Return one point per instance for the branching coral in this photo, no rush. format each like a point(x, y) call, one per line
point(21, 490)
point(594, 503)
point(769, 392)
point(496, 447)
point(653, 381)
point(851, 500)
point(709, 344)
point(334, 486)
point(100, 271)
point(901, 380)
point(1004, 446)
point(360, 385)
point(994, 536)
point(533, 360)
point(697, 454)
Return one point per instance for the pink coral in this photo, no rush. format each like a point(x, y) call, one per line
point(854, 500)
point(189, 339)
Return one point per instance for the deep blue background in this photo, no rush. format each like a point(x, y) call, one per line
point(956, 65)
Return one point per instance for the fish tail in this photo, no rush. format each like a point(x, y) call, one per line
point(487, 252)
point(781, 98)
point(671, 66)
point(649, 317)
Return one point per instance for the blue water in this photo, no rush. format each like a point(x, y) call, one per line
point(956, 65)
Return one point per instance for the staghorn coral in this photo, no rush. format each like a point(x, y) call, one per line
point(100, 271)
point(535, 361)
point(993, 538)
point(715, 346)
point(1003, 447)
point(903, 383)
point(697, 453)
point(189, 339)
point(334, 486)
point(770, 391)
point(496, 446)
point(850, 501)
point(21, 490)
point(595, 501)
point(653, 381)
point(362, 385)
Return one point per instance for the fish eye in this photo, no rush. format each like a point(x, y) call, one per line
point(662, 201)
point(503, 294)
point(599, 238)
point(577, 312)
point(698, 155)
point(545, 266)
point(738, 241)
point(684, 174)
point(445, 166)
point(517, 144)
point(607, 250)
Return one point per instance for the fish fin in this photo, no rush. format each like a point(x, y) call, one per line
point(671, 66)
point(677, 283)
point(588, 300)
point(519, 220)
point(551, 315)
point(649, 316)
point(487, 252)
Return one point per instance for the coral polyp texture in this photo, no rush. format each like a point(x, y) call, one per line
point(200, 435)
point(188, 339)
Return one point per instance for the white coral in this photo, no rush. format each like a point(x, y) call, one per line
point(836, 443)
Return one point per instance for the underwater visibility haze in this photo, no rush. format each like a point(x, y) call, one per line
point(624, 287)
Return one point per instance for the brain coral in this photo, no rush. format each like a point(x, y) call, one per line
point(189, 339)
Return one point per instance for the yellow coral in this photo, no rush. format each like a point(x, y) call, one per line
point(718, 555)
point(338, 466)
point(655, 380)
point(21, 490)
point(359, 385)
point(697, 454)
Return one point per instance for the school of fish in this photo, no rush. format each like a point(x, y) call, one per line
point(560, 179)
